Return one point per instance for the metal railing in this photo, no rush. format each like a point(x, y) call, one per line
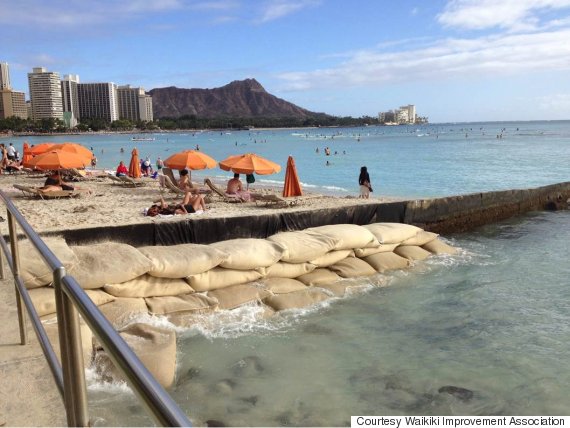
point(70, 298)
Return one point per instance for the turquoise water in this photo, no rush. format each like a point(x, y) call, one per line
point(494, 320)
point(406, 161)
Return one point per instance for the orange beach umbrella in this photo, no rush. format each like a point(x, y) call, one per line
point(26, 156)
point(190, 159)
point(135, 165)
point(249, 163)
point(292, 186)
point(74, 148)
point(41, 148)
point(57, 159)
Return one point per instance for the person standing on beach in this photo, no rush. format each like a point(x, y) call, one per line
point(364, 182)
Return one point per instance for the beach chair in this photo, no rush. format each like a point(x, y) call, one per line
point(226, 197)
point(131, 182)
point(115, 179)
point(168, 172)
point(167, 184)
point(270, 199)
point(39, 193)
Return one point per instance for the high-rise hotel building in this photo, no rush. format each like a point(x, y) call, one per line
point(70, 100)
point(45, 94)
point(98, 101)
point(12, 103)
point(134, 104)
point(4, 76)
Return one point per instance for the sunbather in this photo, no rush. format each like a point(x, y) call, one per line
point(54, 181)
point(235, 187)
point(190, 204)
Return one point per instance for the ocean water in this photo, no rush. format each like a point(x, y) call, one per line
point(403, 161)
point(493, 321)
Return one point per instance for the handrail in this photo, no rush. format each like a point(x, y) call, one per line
point(70, 298)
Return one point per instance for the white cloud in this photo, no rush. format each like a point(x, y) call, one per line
point(489, 56)
point(554, 103)
point(514, 15)
point(275, 9)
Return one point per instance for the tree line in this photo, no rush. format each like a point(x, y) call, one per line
point(18, 125)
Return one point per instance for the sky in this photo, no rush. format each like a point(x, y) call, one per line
point(456, 60)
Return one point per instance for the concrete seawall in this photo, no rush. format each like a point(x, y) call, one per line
point(442, 215)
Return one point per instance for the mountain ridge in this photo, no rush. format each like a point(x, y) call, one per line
point(239, 98)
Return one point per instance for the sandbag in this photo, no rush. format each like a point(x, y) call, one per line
point(412, 252)
point(185, 303)
point(386, 261)
point(149, 286)
point(122, 310)
point(43, 299)
point(437, 246)
point(392, 233)
point(319, 276)
point(420, 239)
point(286, 270)
point(219, 278)
point(282, 285)
point(338, 289)
point(52, 330)
point(33, 270)
point(352, 267)
point(350, 236)
point(237, 295)
point(249, 253)
point(332, 257)
point(108, 263)
point(296, 299)
point(302, 246)
point(155, 347)
point(180, 261)
point(382, 248)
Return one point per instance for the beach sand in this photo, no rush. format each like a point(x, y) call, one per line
point(113, 204)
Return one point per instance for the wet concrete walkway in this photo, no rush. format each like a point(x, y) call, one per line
point(28, 394)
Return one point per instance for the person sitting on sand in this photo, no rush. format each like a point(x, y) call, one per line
point(190, 204)
point(13, 166)
point(54, 181)
point(235, 187)
point(122, 170)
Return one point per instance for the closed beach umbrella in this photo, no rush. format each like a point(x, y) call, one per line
point(249, 163)
point(135, 165)
point(292, 186)
point(74, 148)
point(26, 156)
point(190, 159)
point(41, 148)
point(58, 159)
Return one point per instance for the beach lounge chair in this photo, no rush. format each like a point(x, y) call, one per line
point(225, 196)
point(131, 182)
point(168, 172)
point(39, 193)
point(270, 199)
point(115, 179)
point(167, 184)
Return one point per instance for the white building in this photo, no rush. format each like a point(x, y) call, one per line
point(4, 76)
point(70, 100)
point(98, 101)
point(45, 94)
point(134, 104)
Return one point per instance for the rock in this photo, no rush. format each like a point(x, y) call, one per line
point(462, 394)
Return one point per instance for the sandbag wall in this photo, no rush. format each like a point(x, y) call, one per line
point(287, 270)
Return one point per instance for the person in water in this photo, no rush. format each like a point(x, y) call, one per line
point(364, 182)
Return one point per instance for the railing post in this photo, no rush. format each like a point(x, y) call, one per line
point(75, 394)
point(16, 271)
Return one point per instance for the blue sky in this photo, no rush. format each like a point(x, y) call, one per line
point(456, 60)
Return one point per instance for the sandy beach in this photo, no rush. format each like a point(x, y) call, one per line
point(112, 204)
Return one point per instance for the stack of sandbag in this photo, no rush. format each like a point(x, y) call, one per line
point(285, 271)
